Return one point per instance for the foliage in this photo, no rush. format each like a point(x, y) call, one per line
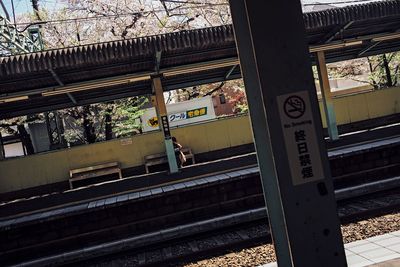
point(348, 68)
point(379, 71)
point(239, 102)
point(384, 69)
point(82, 22)
point(233, 91)
point(91, 21)
point(127, 115)
point(9, 126)
point(88, 124)
point(78, 119)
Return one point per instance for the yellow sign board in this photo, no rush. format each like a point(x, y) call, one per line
point(153, 121)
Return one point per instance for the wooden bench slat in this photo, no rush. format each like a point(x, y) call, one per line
point(94, 171)
point(95, 167)
point(154, 156)
point(156, 162)
point(94, 174)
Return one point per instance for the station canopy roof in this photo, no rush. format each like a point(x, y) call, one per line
point(62, 78)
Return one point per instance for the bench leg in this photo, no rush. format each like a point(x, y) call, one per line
point(70, 185)
point(147, 168)
point(120, 174)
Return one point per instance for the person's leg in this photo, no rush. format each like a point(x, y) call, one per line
point(178, 161)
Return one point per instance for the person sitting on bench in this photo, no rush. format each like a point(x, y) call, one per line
point(180, 157)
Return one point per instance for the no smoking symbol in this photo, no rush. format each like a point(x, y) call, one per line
point(294, 107)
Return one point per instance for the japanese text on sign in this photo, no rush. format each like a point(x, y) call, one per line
point(165, 125)
point(300, 138)
point(153, 122)
point(304, 156)
point(177, 116)
point(196, 112)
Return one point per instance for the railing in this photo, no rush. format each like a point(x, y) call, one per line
point(12, 41)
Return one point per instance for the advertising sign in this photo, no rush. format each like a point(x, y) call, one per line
point(196, 110)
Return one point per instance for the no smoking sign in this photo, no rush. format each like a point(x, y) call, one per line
point(294, 107)
point(301, 143)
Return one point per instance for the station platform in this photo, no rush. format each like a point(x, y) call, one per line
point(378, 251)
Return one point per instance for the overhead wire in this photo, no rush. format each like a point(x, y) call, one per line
point(105, 16)
point(193, 4)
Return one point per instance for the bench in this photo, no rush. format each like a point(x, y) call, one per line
point(161, 158)
point(94, 172)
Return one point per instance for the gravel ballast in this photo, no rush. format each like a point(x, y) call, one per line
point(265, 253)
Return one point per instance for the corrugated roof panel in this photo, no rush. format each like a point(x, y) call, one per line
point(180, 47)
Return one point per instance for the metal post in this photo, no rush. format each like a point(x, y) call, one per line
point(327, 96)
point(308, 227)
point(2, 152)
point(162, 115)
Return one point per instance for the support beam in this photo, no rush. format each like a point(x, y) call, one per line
point(230, 71)
point(339, 30)
point(308, 225)
point(327, 102)
point(55, 76)
point(72, 98)
point(54, 125)
point(365, 50)
point(162, 115)
point(377, 40)
point(58, 80)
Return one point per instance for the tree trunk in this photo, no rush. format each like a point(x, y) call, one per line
point(88, 126)
point(35, 6)
point(371, 70)
point(108, 127)
point(2, 152)
point(25, 139)
point(389, 81)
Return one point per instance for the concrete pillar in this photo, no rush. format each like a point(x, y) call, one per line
point(327, 96)
point(261, 133)
point(288, 133)
point(163, 122)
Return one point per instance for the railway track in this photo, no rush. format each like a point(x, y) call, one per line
point(220, 234)
point(253, 232)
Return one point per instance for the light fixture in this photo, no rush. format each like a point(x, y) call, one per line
point(386, 37)
point(13, 99)
point(95, 85)
point(334, 46)
point(200, 67)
